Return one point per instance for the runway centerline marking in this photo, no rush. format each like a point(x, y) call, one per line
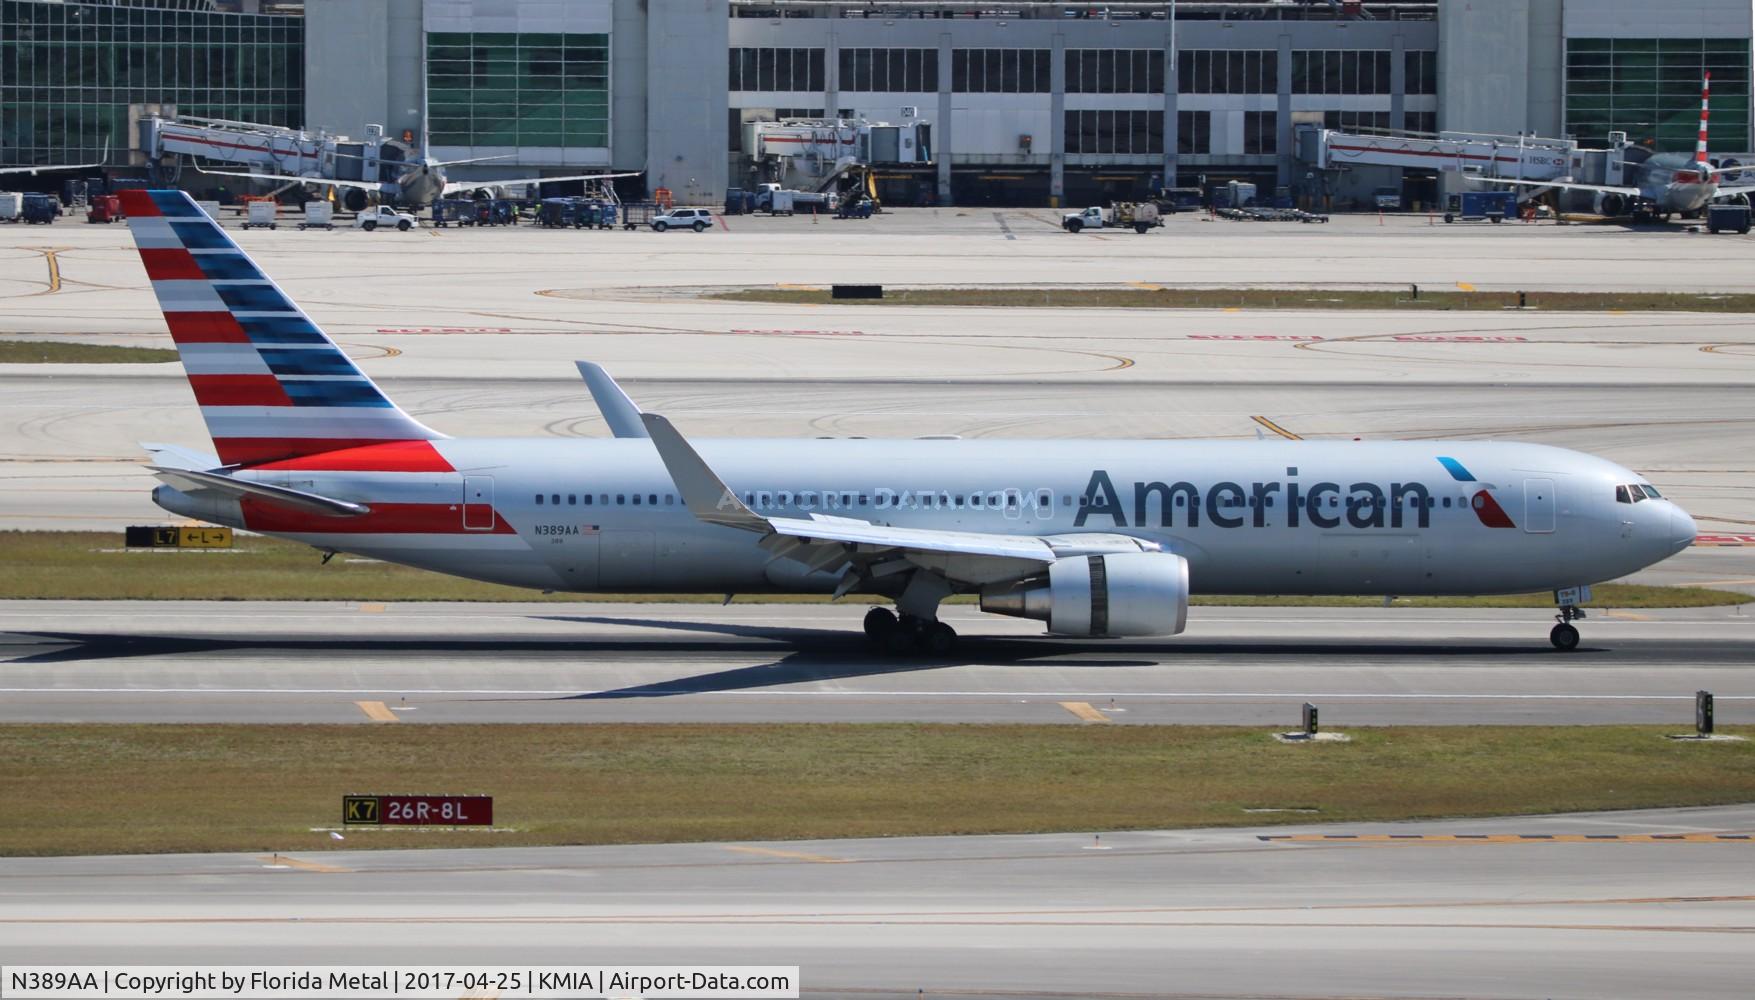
point(1084, 711)
point(302, 865)
point(377, 711)
point(770, 852)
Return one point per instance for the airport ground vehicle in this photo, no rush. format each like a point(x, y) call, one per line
point(105, 208)
point(453, 211)
point(39, 209)
point(1095, 538)
point(1138, 216)
point(318, 215)
point(1473, 206)
point(1177, 199)
point(697, 219)
point(383, 216)
point(262, 214)
point(11, 204)
point(638, 213)
point(1727, 218)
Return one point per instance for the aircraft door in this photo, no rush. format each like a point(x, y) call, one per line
point(478, 503)
point(1538, 502)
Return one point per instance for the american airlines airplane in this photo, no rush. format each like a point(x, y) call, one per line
point(1094, 538)
point(1662, 184)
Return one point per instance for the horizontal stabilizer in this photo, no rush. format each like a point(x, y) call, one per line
point(174, 456)
point(193, 480)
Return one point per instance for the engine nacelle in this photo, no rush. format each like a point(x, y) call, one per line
point(356, 200)
point(1610, 204)
point(1117, 594)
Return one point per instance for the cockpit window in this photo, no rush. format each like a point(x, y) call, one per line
point(1621, 495)
point(1650, 492)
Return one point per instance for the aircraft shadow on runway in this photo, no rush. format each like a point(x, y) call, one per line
point(815, 654)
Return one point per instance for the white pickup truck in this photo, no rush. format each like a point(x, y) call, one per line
point(1141, 216)
point(384, 215)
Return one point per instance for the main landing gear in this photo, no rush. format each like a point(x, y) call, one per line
point(1564, 635)
point(908, 635)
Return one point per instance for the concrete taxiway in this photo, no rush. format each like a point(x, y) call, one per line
point(434, 663)
point(1631, 905)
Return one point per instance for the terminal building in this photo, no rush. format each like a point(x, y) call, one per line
point(1025, 102)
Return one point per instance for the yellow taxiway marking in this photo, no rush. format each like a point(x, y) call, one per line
point(1148, 286)
point(1744, 582)
point(769, 852)
point(371, 609)
point(798, 288)
point(1465, 286)
point(1514, 838)
point(1084, 711)
point(377, 711)
point(54, 268)
point(1628, 616)
point(302, 865)
point(1277, 429)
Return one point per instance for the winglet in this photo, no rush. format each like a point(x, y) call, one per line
point(705, 493)
point(620, 412)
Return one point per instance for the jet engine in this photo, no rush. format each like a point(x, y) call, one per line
point(1117, 594)
point(356, 200)
point(1611, 205)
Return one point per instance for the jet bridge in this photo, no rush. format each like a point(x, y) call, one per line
point(816, 153)
point(1459, 156)
point(162, 140)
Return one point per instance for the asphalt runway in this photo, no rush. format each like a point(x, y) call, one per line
point(121, 661)
point(1630, 905)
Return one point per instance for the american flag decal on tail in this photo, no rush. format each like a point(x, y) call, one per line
point(270, 383)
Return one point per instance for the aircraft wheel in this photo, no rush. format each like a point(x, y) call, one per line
point(939, 639)
point(1564, 637)
point(879, 622)
point(903, 640)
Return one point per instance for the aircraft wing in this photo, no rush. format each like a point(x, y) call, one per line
point(865, 549)
point(1621, 189)
point(451, 187)
point(361, 185)
point(103, 161)
point(619, 411)
point(192, 480)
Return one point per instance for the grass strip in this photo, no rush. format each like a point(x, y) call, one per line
point(1263, 298)
point(85, 789)
point(92, 565)
point(40, 352)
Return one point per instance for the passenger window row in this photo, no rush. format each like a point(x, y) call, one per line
point(603, 499)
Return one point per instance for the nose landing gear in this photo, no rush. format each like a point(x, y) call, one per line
point(1564, 635)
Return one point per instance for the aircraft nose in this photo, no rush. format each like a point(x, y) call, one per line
point(1682, 528)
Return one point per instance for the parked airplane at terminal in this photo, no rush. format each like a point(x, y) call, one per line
point(46, 168)
point(421, 183)
point(1095, 538)
point(1661, 185)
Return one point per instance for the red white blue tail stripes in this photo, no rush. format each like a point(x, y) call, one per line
point(1705, 109)
point(270, 383)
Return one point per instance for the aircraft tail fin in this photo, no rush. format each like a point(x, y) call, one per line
point(1705, 107)
point(270, 383)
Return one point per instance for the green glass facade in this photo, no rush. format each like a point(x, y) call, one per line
point(68, 72)
point(498, 89)
point(1650, 89)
